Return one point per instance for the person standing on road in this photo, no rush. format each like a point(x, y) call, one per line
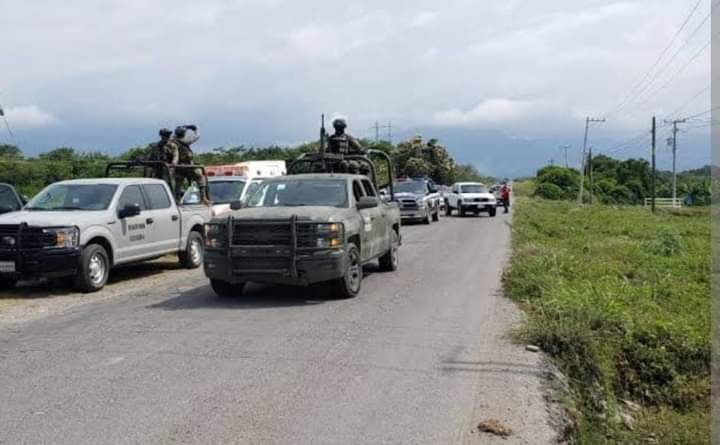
point(185, 136)
point(505, 196)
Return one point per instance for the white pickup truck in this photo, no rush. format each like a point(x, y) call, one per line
point(82, 228)
point(470, 197)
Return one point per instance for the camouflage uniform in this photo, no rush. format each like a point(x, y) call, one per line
point(185, 157)
point(163, 151)
point(344, 144)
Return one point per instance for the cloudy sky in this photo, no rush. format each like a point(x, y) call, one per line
point(503, 83)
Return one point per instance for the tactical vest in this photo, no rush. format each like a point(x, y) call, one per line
point(339, 144)
point(158, 152)
point(185, 154)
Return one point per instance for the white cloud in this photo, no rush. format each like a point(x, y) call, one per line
point(29, 116)
point(423, 19)
point(491, 111)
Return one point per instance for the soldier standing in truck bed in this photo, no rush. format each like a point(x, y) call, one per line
point(164, 151)
point(342, 143)
point(185, 136)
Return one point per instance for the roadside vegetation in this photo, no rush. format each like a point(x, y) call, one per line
point(620, 299)
point(623, 182)
point(414, 157)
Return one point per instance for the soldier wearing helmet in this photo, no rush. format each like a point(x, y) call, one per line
point(343, 143)
point(184, 137)
point(163, 151)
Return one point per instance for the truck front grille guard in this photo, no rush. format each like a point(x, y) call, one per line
point(293, 245)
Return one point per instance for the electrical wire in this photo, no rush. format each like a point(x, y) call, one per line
point(649, 72)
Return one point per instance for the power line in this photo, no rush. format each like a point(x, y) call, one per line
point(659, 59)
point(7, 125)
point(681, 70)
point(702, 113)
point(689, 101)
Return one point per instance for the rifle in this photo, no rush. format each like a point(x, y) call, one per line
point(323, 135)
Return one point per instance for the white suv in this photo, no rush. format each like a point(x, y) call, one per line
point(470, 197)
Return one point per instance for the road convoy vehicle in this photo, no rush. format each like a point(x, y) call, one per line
point(470, 197)
point(306, 228)
point(83, 228)
point(419, 200)
point(249, 169)
point(223, 190)
point(10, 201)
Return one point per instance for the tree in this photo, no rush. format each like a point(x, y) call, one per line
point(10, 152)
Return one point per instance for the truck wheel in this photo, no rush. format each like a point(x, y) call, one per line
point(192, 256)
point(348, 286)
point(390, 261)
point(448, 209)
point(225, 289)
point(7, 283)
point(492, 211)
point(93, 270)
point(461, 211)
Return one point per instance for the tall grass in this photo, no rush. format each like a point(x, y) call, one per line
point(621, 299)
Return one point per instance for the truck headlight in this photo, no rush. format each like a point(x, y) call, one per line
point(328, 243)
point(216, 236)
point(63, 236)
point(421, 203)
point(328, 228)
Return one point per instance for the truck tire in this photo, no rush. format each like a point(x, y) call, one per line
point(461, 211)
point(390, 261)
point(348, 286)
point(7, 283)
point(436, 215)
point(448, 209)
point(492, 212)
point(192, 256)
point(93, 270)
point(225, 289)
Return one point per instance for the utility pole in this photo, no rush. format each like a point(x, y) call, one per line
point(566, 148)
point(652, 182)
point(674, 153)
point(590, 161)
point(377, 127)
point(588, 121)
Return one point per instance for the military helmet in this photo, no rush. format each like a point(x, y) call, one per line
point(339, 123)
point(165, 133)
point(180, 132)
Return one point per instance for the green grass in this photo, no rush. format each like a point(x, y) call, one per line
point(621, 299)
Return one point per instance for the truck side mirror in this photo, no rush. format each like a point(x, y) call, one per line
point(367, 202)
point(236, 205)
point(129, 211)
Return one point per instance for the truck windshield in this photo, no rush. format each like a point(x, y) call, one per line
point(73, 197)
point(473, 188)
point(414, 187)
point(300, 192)
point(8, 201)
point(224, 192)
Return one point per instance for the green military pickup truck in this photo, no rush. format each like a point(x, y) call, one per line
point(303, 229)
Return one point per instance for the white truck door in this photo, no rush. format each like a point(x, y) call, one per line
point(162, 219)
point(131, 233)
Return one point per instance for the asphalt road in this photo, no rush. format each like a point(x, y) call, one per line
point(420, 357)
